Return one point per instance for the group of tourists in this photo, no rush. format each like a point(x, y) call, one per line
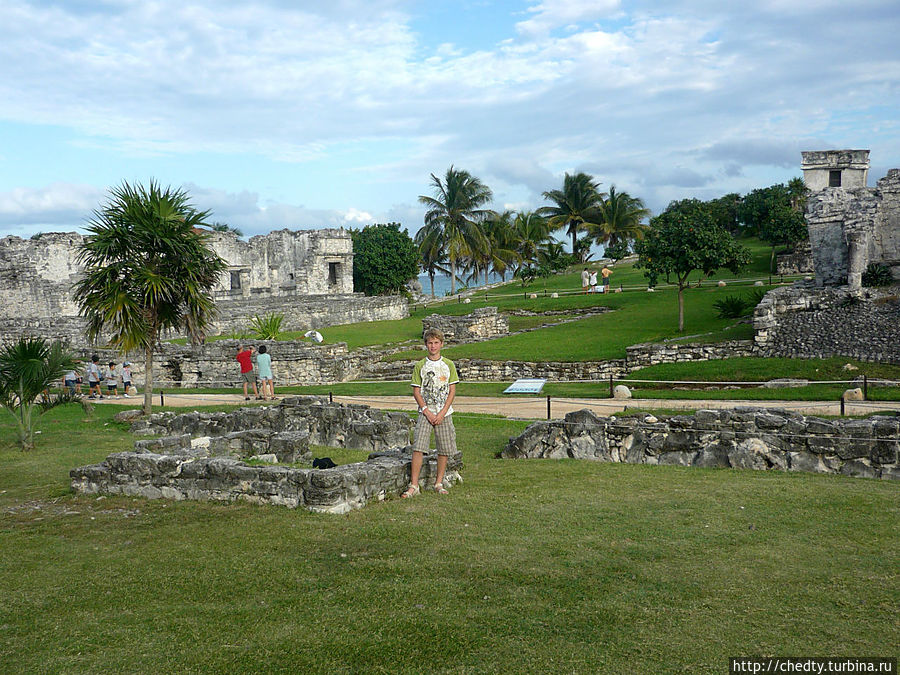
point(589, 280)
point(263, 372)
point(98, 376)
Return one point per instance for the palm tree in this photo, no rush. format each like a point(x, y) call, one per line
point(577, 205)
point(432, 252)
point(620, 218)
point(28, 368)
point(530, 232)
point(456, 209)
point(502, 244)
point(147, 269)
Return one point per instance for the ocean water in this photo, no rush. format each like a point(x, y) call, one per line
point(442, 283)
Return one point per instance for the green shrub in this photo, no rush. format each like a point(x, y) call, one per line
point(877, 274)
point(267, 327)
point(732, 307)
point(755, 297)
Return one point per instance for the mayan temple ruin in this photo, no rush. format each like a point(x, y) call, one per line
point(305, 275)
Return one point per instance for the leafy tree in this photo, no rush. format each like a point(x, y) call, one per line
point(28, 368)
point(616, 251)
point(725, 212)
point(384, 258)
point(683, 239)
point(576, 205)
point(621, 218)
point(147, 270)
point(456, 208)
point(432, 253)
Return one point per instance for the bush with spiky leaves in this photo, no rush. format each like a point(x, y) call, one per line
point(731, 307)
point(28, 368)
point(267, 327)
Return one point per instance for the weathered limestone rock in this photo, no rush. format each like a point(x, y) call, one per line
point(743, 438)
point(853, 394)
point(211, 466)
point(621, 392)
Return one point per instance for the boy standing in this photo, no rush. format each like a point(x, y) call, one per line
point(245, 358)
point(605, 272)
point(434, 381)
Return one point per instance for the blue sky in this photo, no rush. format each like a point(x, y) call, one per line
point(287, 113)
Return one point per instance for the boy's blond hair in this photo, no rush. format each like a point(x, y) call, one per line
point(433, 333)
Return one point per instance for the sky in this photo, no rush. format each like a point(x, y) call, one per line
point(295, 114)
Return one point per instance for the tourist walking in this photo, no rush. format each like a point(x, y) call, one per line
point(112, 380)
point(72, 382)
point(264, 373)
point(126, 377)
point(434, 381)
point(245, 358)
point(585, 280)
point(94, 376)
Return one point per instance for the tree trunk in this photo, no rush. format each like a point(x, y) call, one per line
point(680, 308)
point(431, 279)
point(452, 276)
point(148, 381)
point(772, 262)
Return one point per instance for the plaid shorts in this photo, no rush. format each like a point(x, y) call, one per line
point(444, 435)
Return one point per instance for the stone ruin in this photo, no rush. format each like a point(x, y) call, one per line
point(305, 275)
point(482, 324)
point(850, 225)
point(204, 456)
point(743, 438)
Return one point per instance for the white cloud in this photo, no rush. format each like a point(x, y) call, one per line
point(62, 205)
point(687, 95)
point(551, 14)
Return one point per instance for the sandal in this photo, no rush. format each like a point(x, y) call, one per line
point(411, 491)
point(440, 489)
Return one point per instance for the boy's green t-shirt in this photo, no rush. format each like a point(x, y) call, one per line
point(434, 378)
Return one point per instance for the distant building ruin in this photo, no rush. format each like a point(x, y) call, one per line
point(850, 225)
point(305, 275)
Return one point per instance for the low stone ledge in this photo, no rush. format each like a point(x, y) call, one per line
point(743, 438)
point(334, 424)
point(336, 490)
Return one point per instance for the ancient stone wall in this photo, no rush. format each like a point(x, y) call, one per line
point(214, 364)
point(335, 424)
point(203, 457)
point(799, 261)
point(637, 356)
point(286, 262)
point(308, 312)
point(482, 324)
point(803, 322)
point(849, 228)
point(307, 276)
point(743, 438)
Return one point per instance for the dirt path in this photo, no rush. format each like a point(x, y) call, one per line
point(536, 407)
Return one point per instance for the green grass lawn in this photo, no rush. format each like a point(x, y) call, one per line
point(527, 567)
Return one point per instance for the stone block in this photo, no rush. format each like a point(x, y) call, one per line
point(859, 468)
